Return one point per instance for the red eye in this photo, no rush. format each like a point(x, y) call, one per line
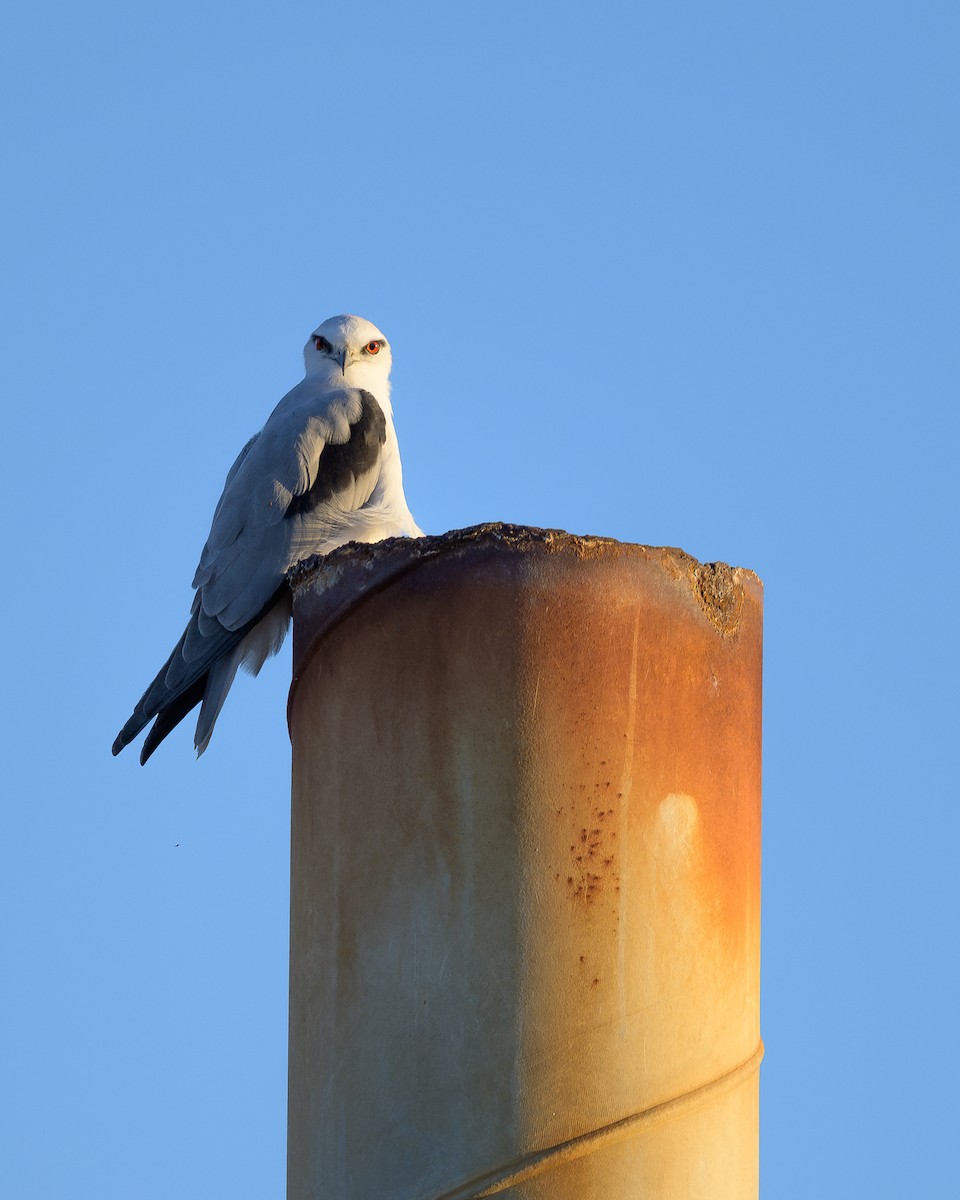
point(321, 343)
point(373, 347)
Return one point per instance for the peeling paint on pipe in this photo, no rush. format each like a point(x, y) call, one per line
point(525, 899)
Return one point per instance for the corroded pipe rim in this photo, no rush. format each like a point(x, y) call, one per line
point(356, 571)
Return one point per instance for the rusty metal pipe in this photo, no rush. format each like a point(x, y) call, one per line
point(525, 906)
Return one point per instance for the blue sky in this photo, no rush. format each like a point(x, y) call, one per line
point(678, 274)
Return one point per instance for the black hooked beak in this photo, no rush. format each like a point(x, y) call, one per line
point(342, 360)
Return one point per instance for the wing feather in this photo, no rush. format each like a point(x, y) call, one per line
point(296, 484)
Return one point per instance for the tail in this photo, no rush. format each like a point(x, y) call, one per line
point(219, 681)
point(178, 688)
point(199, 671)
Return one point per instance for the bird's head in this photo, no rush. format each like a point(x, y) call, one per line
point(349, 351)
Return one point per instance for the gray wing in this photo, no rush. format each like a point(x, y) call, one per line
point(292, 487)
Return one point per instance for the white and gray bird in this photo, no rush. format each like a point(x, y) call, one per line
point(324, 470)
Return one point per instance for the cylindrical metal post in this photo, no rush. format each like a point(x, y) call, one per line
point(525, 872)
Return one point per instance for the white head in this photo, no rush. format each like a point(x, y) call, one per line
point(348, 351)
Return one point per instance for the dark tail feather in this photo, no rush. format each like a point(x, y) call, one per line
point(170, 701)
point(153, 700)
point(180, 685)
point(170, 717)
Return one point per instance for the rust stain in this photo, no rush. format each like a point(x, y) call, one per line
point(327, 587)
point(547, 823)
point(593, 859)
point(633, 663)
point(720, 593)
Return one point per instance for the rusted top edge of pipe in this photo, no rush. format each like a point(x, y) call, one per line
point(339, 581)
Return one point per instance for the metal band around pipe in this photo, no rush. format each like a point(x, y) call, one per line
point(542, 1161)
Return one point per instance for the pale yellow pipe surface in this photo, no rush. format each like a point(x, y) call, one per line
point(525, 873)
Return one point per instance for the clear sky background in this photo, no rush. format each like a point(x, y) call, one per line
point(679, 274)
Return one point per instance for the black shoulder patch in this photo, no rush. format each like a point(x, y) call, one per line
point(341, 466)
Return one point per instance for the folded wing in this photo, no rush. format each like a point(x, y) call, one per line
point(295, 489)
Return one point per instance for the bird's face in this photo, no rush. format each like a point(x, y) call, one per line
point(349, 352)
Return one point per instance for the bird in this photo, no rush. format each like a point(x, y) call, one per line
point(324, 470)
